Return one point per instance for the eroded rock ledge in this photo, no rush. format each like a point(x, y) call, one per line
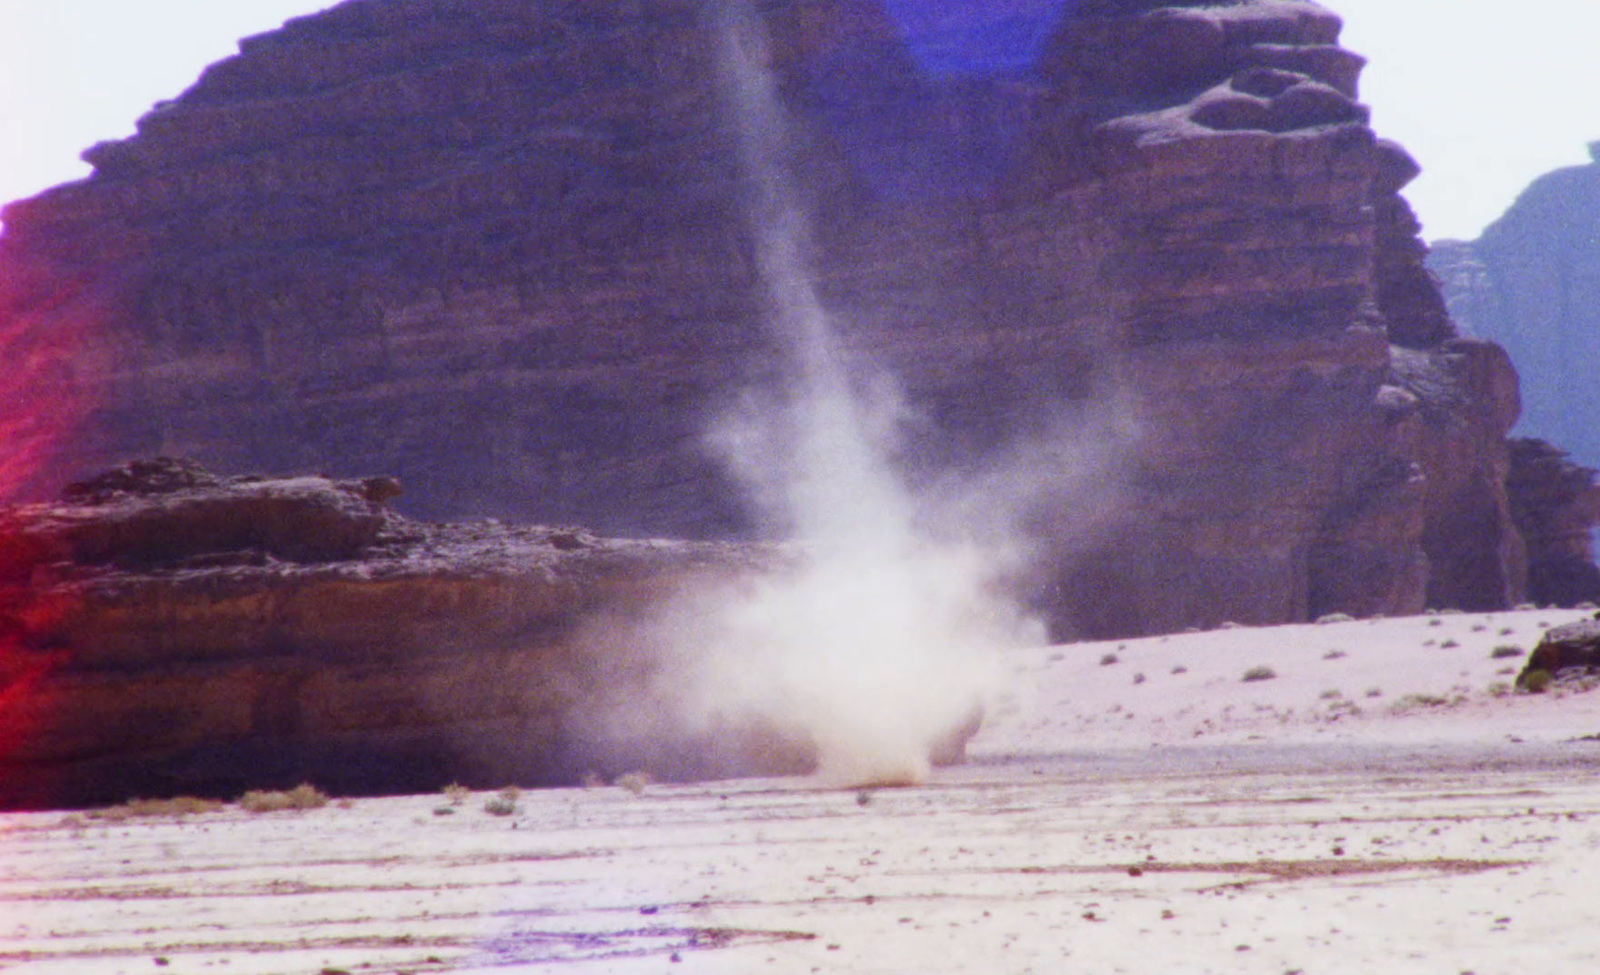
point(166, 631)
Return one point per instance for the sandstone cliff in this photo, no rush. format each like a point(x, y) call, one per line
point(499, 249)
point(1531, 282)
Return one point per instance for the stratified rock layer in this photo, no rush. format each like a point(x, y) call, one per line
point(500, 249)
point(166, 632)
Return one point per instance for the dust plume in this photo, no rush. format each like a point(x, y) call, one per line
point(874, 648)
point(878, 646)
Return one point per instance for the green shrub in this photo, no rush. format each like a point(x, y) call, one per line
point(1259, 673)
point(1535, 681)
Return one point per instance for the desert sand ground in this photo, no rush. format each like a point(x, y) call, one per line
point(1377, 806)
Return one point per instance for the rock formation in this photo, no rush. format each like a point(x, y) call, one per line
point(1531, 283)
point(164, 631)
point(499, 249)
point(1555, 504)
point(1564, 653)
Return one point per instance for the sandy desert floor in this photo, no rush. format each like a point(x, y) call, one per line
point(1378, 805)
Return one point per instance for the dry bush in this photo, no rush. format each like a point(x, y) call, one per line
point(301, 797)
point(177, 806)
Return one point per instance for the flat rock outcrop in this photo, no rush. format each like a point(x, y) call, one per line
point(500, 249)
point(164, 631)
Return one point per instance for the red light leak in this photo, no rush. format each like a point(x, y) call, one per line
point(41, 407)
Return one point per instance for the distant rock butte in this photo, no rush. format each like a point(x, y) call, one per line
point(498, 249)
point(1531, 282)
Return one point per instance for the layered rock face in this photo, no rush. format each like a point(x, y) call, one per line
point(164, 631)
point(500, 249)
point(1556, 505)
point(1531, 282)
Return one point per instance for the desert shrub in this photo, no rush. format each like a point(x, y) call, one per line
point(1499, 689)
point(177, 806)
point(1334, 655)
point(1110, 659)
point(504, 802)
point(1535, 681)
point(1506, 651)
point(302, 797)
point(1344, 708)
point(634, 782)
point(1418, 702)
point(456, 793)
point(1335, 618)
point(1449, 645)
point(1259, 673)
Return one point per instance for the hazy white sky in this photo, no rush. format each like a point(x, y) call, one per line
point(1486, 96)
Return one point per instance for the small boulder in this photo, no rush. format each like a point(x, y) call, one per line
point(1573, 647)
